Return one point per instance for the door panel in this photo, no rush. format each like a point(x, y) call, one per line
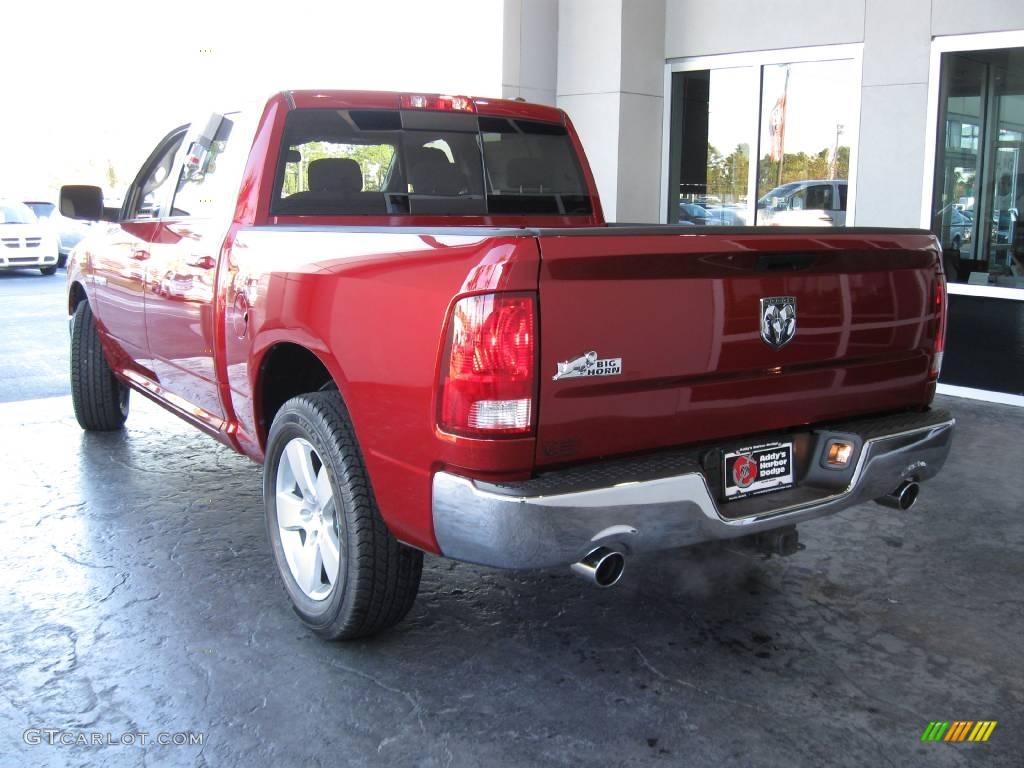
point(119, 262)
point(179, 314)
point(181, 301)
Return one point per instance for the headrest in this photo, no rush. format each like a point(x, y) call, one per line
point(337, 175)
point(526, 172)
point(431, 173)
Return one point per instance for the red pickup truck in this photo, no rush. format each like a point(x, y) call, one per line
point(409, 308)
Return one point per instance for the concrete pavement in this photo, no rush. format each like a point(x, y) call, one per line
point(138, 594)
point(33, 335)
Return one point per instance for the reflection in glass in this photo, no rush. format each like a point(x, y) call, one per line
point(805, 153)
point(803, 132)
point(979, 167)
point(715, 119)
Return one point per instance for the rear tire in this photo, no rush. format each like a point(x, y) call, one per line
point(100, 400)
point(324, 526)
point(48, 270)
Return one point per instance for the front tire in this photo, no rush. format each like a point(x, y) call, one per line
point(346, 575)
point(100, 400)
point(48, 270)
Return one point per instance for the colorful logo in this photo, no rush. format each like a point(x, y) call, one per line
point(959, 730)
point(744, 471)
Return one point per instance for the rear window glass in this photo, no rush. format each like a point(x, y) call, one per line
point(382, 162)
point(531, 168)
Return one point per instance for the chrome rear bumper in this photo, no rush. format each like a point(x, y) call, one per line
point(531, 525)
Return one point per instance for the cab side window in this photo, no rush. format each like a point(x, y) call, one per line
point(148, 192)
point(819, 198)
point(202, 181)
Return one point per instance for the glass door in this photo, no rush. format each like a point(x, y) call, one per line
point(979, 169)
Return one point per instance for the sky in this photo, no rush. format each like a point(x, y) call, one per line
point(818, 97)
point(87, 84)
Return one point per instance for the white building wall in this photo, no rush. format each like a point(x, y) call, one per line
point(603, 61)
point(530, 50)
point(589, 77)
point(610, 72)
point(894, 113)
point(954, 17)
point(641, 104)
point(703, 28)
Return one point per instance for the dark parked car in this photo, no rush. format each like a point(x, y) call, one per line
point(693, 214)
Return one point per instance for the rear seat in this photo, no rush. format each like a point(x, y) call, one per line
point(335, 187)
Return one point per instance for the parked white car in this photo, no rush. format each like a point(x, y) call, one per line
point(69, 231)
point(809, 203)
point(25, 242)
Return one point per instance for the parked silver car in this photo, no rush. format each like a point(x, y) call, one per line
point(956, 226)
point(805, 203)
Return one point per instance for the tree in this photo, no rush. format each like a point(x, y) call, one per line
point(798, 166)
point(111, 176)
point(374, 161)
point(727, 175)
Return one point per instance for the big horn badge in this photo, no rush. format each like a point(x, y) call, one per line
point(778, 320)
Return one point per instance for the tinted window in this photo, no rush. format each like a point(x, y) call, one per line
point(42, 210)
point(16, 213)
point(206, 181)
point(367, 162)
point(817, 197)
point(531, 168)
point(146, 193)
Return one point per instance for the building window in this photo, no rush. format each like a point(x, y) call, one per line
point(765, 144)
point(978, 194)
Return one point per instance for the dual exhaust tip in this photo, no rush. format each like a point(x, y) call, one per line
point(602, 567)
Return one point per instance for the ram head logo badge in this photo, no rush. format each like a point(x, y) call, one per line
point(778, 320)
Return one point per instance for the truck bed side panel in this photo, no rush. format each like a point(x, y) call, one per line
point(372, 306)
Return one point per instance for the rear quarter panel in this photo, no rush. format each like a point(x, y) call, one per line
point(372, 306)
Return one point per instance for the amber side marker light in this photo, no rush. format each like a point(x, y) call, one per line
point(839, 454)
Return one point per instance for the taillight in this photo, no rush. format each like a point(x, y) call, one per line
point(436, 102)
point(488, 378)
point(941, 307)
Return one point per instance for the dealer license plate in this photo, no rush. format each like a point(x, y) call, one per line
point(758, 469)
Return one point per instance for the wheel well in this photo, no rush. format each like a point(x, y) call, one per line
point(288, 370)
point(76, 295)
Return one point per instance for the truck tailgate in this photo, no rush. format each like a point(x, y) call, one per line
point(651, 338)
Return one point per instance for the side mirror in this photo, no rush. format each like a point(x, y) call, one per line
point(79, 201)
